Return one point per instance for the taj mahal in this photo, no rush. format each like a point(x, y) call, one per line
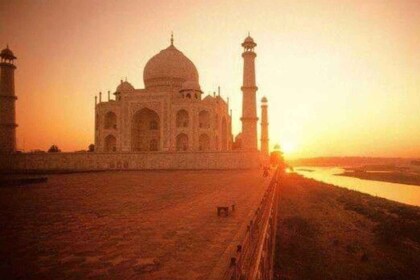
point(168, 124)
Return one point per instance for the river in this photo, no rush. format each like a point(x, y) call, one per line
point(408, 194)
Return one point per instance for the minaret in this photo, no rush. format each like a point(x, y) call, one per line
point(7, 102)
point(264, 128)
point(249, 89)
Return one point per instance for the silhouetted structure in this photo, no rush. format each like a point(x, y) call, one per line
point(7, 102)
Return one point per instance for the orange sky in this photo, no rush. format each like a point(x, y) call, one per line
point(342, 77)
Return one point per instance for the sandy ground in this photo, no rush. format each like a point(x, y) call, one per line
point(123, 225)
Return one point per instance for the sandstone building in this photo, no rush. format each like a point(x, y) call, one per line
point(171, 113)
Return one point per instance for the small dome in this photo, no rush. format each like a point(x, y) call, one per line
point(7, 54)
point(168, 67)
point(249, 43)
point(209, 98)
point(191, 85)
point(249, 39)
point(264, 100)
point(125, 86)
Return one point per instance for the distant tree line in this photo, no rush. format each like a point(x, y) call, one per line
point(55, 149)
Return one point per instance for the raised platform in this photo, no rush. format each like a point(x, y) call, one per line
point(130, 161)
point(124, 224)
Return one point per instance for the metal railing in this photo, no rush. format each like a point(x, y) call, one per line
point(253, 259)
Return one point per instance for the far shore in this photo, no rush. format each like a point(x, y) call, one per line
point(391, 177)
point(305, 169)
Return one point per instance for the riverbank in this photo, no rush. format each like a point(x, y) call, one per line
point(327, 232)
point(392, 177)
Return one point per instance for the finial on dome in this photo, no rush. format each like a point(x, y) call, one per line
point(126, 78)
point(249, 34)
point(172, 38)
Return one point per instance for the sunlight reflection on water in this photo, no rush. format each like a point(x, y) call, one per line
point(399, 192)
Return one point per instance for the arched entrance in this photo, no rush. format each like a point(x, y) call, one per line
point(204, 142)
point(182, 118)
point(204, 119)
point(110, 120)
point(182, 142)
point(145, 131)
point(110, 143)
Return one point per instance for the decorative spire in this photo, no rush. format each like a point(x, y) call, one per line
point(172, 38)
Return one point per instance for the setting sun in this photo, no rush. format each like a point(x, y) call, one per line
point(288, 147)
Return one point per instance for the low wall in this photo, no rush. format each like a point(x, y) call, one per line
point(130, 161)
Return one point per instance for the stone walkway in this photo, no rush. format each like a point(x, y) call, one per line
point(123, 225)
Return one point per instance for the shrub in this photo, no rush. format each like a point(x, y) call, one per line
point(54, 149)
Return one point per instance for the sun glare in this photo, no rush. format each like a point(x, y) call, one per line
point(288, 147)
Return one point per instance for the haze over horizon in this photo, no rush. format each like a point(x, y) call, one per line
point(342, 79)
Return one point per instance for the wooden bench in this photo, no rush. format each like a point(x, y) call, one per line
point(225, 210)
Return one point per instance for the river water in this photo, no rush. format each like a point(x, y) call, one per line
point(408, 194)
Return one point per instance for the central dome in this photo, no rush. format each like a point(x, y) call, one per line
point(169, 67)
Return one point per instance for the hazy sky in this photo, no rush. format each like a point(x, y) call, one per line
point(341, 77)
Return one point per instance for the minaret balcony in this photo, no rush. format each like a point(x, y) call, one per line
point(249, 54)
point(8, 96)
point(7, 64)
point(254, 119)
point(249, 87)
point(10, 125)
